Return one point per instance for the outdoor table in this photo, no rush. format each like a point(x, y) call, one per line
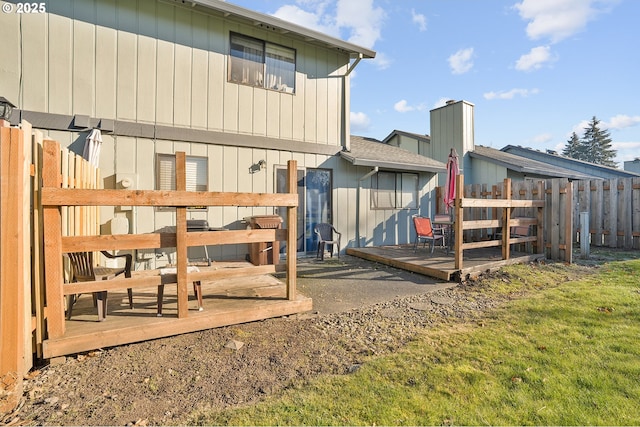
point(449, 235)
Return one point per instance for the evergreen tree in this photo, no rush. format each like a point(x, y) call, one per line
point(572, 149)
point(596, 144)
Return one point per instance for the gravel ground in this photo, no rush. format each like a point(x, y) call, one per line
point(361, 309)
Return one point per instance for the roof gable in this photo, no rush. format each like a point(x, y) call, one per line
point(371, 152)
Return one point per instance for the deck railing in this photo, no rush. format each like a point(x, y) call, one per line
point(502, 219)
point(55, 198)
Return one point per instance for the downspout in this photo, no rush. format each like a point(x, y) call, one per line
point(371, 173)
point(346, 103)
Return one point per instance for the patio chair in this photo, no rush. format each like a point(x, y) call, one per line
point(424, 232)
point(85, 271)
point(326, 236)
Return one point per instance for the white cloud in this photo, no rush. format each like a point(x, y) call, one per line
point(420, 19)
point(311, 20)
point(461, 61)
point(359, 122)
point(359, 19)
point(535, 59)
point(556, 20)
point(579, 129)
point(382, 61)
point(627, 151)
point(440, 102)
point(542, 138)
point(402, 107)
point(622, 121)
point(510, 94)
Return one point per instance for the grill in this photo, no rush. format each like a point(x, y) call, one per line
point(200, 225)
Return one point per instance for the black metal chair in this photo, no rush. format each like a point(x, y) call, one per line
point(85, 271)
point(326, 234)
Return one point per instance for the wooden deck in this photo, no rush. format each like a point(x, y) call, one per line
point(440, 264)
point(226, 302)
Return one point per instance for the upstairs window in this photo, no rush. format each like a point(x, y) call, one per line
point(254, 62)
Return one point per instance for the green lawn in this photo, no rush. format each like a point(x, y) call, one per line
point(564, 352)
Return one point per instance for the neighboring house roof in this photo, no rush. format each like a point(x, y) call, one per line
point(581, 166)
point(418, 136)
point(371, 152)
point(524, 165)
point(267, 22)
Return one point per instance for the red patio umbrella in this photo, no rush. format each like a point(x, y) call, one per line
point(450, 186)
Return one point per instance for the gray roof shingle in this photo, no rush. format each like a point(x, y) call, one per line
point(371, 152)
point(524, 165)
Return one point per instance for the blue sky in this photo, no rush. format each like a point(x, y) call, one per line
point(536, 70)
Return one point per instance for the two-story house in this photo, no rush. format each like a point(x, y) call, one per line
point(239, 91)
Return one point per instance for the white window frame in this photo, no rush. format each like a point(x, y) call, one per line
point(394, 190)
point(197, 170)
point(261, 64)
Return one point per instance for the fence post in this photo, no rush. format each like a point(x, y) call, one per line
point(584, 234)
point(12, 307)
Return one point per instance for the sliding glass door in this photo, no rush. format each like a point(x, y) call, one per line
point(314, 203)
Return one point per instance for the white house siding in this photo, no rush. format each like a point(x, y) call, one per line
point(153, 62)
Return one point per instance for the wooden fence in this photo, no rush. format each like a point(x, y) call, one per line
point(543, 205)
point(22, 302)
point(614, 211)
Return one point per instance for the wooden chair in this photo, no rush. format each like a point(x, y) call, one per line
point(326, 234)
point(85, 271)
point(424, 232)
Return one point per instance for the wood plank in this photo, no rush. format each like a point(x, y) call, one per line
point(154, 328)
point(397, 263)
point(481, 244)
point(484, 223)
point(458, 222)
point(53, 243)
point(38, 244)
point(181, 237)
point(26, 232)
point(12, 326)
point(292, 236)
point(636, 213)
point(168, 240)
point(626, 210)
point(108, 197)
point(501, 203)
point(612, 216)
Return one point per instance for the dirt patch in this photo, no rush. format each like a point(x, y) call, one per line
point(361, 309)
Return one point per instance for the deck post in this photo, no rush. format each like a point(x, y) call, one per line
point(506, 220)
point(181, 238)
point(458, 222)
point(292, 221)
point(12, 283)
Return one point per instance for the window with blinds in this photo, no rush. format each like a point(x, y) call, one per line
point(391, 190)
point(196, 170)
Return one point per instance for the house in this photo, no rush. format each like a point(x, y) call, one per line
point(569, 164)
point(452, 126)
point(239, 92)
point(633, 165)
